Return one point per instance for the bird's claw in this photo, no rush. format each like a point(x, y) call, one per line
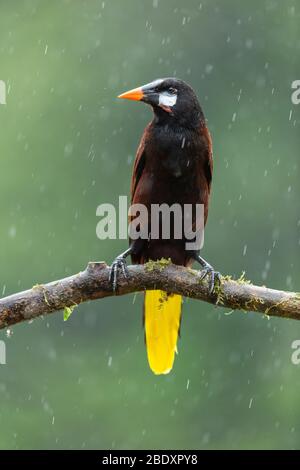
point(215, 277)
point(118, 264)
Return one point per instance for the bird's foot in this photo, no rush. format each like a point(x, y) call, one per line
point(118, 264)
point(214, 277)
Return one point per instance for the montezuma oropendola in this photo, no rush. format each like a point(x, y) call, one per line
point(173, 164)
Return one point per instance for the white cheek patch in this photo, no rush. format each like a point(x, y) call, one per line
point(167, 100)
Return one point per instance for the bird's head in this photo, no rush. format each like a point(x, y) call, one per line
point(172, 100)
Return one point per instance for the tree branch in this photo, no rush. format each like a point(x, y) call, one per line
point(93, 284)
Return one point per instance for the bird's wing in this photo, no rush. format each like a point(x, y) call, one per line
point(205, 169)
point(138, 169)
point(209, 156)
point(139, 164)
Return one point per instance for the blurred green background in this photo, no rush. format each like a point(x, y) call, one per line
point(67, 145)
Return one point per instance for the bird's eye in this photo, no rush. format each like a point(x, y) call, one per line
point(172, 90)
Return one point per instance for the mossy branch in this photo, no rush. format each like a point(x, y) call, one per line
point(93, 284)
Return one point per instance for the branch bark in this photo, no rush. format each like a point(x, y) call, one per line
point(93, 284)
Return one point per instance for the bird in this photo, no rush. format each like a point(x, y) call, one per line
point(173, 165)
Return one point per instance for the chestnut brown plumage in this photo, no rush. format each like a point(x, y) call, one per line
point(173, 165)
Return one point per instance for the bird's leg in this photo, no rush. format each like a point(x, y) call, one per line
point(119, 263)
point(208, 270)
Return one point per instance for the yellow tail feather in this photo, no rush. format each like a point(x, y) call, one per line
point(162, 322)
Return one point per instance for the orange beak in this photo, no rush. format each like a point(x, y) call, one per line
point(136, 94)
